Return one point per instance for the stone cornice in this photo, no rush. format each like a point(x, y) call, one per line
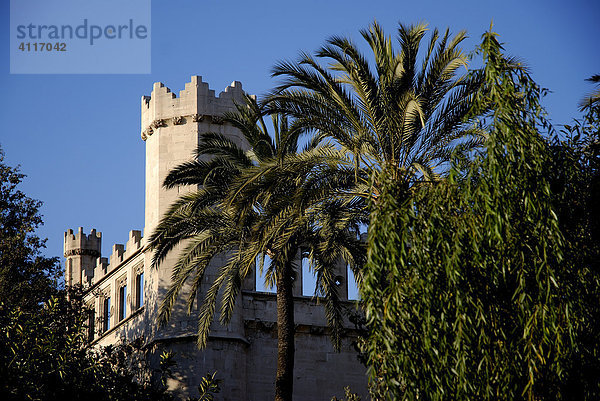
point(80, 252)
point(179, 120)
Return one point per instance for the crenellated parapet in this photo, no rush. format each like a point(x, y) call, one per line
point(81, 251)
point(116, 257)
point(172, 128)
point(101, 268)
point(85, 264)
point(134, 242)
point(119, 254)
point(196, 103)
point(82, 244)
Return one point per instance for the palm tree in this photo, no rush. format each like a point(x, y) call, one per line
point(270, 200)
point(296, 212)
point(593, 98)
point(396, 115)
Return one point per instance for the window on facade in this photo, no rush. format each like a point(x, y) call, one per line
point(106, 313)
point(123, 302)
point(309, 280)
point(139, 288)
point(91, 323)
point(353, 293)
point(260, 276)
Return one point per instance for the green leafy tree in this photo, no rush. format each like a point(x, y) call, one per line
point(44, 356)
point(270, 200)
point(27, 278)
point(464, 293)
point(43, 350)
point(574, 175)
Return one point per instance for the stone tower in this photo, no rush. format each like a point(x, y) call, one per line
point(171, 126)
point(125, 290)
point(81, 251)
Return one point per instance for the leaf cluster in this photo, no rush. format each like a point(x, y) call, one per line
point(44, 356)
point(27, 278)
point(43, 328)
point(386, 110)
point(465, 288)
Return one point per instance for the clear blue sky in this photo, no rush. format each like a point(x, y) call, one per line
point(77, 137)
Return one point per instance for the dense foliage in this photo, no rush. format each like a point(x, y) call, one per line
point(471, 288)
point(26, 277)
point(43, 349)
point(386, 108)
point(43, 356)
point(574, 175)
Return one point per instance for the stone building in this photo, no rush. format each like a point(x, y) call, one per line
point(125, 292)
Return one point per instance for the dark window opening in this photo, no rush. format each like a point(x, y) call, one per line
point(106, 314)
point(122, 302)
point(139, 285)
point(91, 324)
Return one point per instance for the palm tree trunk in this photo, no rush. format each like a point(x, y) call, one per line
point(284, 383)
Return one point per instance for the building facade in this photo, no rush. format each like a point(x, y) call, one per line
point(124, 291)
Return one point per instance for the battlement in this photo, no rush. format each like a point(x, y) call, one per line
point(85, 264)
point(82, 244)
point(101, 268)
point(119, 254)
point(195, 103)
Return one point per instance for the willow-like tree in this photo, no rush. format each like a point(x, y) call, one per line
point(464, 292)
